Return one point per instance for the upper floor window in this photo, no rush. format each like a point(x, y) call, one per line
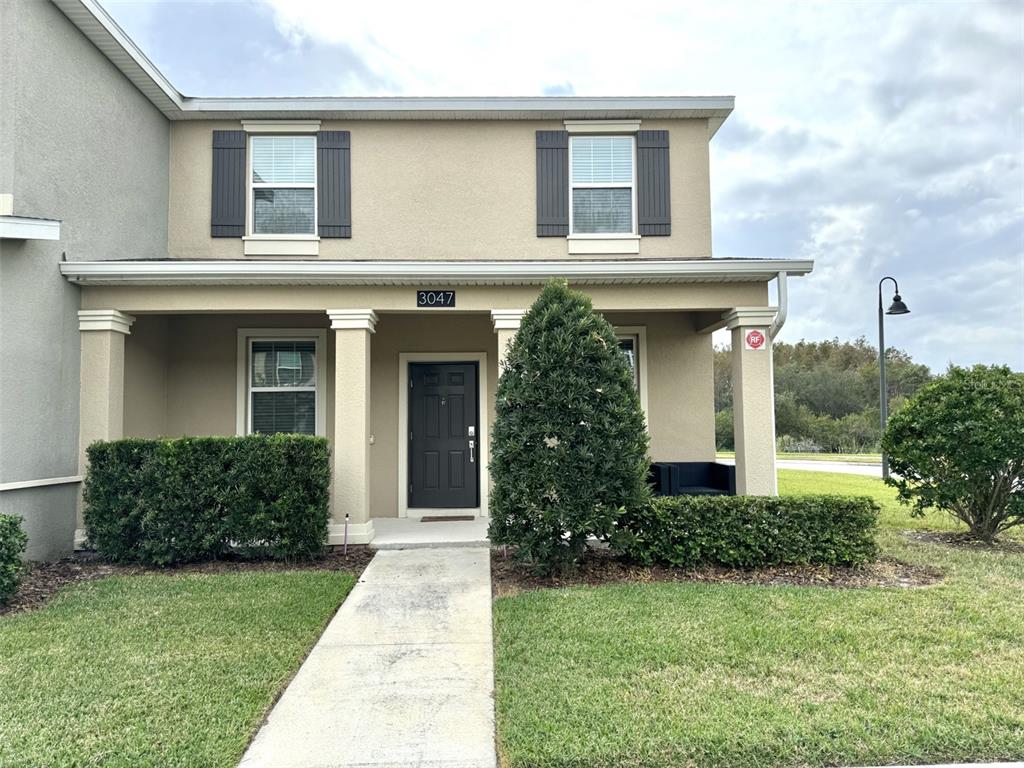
point(602, 183)
point(283, 185)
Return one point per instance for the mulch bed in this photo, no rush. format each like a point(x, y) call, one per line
point(961, 540)
point(601, 567)
point(44, 580)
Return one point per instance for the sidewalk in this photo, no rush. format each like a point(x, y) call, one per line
point(403, 675)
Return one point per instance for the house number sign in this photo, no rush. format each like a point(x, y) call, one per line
point(435, 298)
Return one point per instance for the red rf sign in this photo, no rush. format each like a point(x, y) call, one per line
point(755, 340)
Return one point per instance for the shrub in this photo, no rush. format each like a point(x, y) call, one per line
point(750, 531)
point(569, 452)
point(13, 541)
point(161, 502)
point(958, 446)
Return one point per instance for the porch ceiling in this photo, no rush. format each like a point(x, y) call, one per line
point(625, 272)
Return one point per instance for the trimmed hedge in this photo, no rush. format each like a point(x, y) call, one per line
point(161, 502)
point(751, 531)
point(13, 541)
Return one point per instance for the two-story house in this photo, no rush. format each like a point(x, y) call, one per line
point(355, 268)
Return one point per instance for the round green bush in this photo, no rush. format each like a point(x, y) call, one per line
point(569, 450)
point(958, 446)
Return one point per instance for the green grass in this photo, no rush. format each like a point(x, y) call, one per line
point(857, 458)
point(728, 675)
point(156, 670)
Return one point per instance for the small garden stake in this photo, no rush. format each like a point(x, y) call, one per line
point(344, 548)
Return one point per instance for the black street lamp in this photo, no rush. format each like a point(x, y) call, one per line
point(896, 308)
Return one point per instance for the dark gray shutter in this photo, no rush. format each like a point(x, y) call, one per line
point(552, 183)
point(653, 199)
point(227, 212)
point(334, 184)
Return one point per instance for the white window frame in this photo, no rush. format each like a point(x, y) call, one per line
point(639, 335)
point(631, 185)
point(243, 400)
point(251, 186)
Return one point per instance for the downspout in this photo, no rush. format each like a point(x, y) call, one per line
point(780, 316)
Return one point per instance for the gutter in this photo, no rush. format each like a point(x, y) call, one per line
point(780, 316)
point(219, 272)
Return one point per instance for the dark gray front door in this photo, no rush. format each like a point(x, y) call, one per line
point(444, 435)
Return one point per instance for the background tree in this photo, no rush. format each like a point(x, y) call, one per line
point(958, 446)
point(826, 393)
point(569, 451)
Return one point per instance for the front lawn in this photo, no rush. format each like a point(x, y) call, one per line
point(156, 669)
point(695, 674)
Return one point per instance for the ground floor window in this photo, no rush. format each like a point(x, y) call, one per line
point(630, 346)
point(283, 384)
point(633, 343)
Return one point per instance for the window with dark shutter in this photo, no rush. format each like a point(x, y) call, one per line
point(653, 198)
point(227, 214)
point(552, 183)
point(334, 184)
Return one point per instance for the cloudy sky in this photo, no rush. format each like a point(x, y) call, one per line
point(874, 137)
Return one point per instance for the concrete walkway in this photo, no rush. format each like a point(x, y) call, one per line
point(403, 675)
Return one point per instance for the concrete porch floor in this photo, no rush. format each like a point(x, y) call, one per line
point(413, 533)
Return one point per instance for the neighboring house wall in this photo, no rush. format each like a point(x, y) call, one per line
point(78, 143)
point(439, 190)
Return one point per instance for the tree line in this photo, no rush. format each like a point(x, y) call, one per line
point(826, 394)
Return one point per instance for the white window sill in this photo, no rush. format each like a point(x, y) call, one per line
point(580, 245)
point(281, 245)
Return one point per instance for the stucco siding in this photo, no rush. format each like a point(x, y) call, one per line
point(440, 190)
point(48, 517)
point(80, 144)
point(680, 385)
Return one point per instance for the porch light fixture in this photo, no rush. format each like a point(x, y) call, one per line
point(897, 307)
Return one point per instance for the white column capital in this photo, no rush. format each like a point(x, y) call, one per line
point(353, 319)
point(104, 320)
point(747, 317)
point(507, 319)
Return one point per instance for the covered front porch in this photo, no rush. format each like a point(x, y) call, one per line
point(404, 394)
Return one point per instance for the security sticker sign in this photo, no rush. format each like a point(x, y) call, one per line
point(754, 339)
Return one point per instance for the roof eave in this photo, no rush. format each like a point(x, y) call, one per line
point(219, 272)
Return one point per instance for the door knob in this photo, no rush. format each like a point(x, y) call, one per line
point(472, 444)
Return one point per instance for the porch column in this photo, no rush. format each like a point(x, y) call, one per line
point(350, 487)
point(753, 399)
point(101, 395)
point(506, 324)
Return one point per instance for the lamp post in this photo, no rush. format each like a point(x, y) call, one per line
point(896, 308)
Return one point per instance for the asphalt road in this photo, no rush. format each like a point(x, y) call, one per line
point(844, 467)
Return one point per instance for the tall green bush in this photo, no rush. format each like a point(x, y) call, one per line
point(13, 541)
point(569, 453)
point(750, 531)
point(161, 502)
point(958, 446)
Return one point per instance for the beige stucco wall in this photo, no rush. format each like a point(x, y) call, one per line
point(440, 190)
point(680, 385)
point(181, 378)
point(145, 377)
point(705, 297)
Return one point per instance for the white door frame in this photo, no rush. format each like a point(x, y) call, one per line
point(484, 434)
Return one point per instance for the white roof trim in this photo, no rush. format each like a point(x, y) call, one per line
point(222, 272)
point(98, 26)
point(28, 228)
